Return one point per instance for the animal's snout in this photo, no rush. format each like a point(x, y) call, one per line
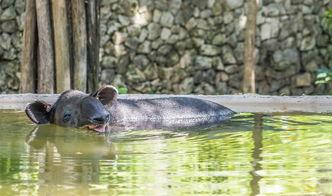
point(102, 119)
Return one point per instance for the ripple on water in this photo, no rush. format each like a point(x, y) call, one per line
point(251, 154)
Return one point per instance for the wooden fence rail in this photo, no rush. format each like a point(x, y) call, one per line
point(238, 103)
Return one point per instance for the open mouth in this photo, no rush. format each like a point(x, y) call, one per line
point(99, 128)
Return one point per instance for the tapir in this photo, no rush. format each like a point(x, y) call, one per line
point(103, 111)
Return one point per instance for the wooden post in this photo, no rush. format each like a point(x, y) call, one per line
point(29, 66)
point(70, 59)
point(45, 48)
point(93, 43)
point(248, 85)
point(79, 45)
point(62, 45)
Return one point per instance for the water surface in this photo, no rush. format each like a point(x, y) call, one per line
point(249, 155)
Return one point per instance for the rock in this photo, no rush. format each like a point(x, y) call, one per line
point(286, 58)
point(270, 29)
point(219, 39)
point(123, 64)
point(302, 80)
point(217, 8)
point(141, 60)
point(119, 50)
point(205, 88)
point(217, 63)
point(273, 10)
point(308, 43)
point(165, 49)
point(143, 35)
point(239, 52)
point(206, 13)
point(132, 43)
point(221, 76)
point(228, 17)
point(109, 62)
point(202, 24)
point(119, 37)
point(322, 41)
point(9, 26)
point(8, 14)
point(186, 86)
point(144, 48)
point(175, 5)
point(285, 91)
point(210, 50)
point(156, 16)
point(107, 75)
point(221, 88)
point(210, 3)
point(165, 73)
point(202, 62)
point(166, 19)
point(151, 72)
point(165, 34)
point(204, 76)
point(154, 30)
point(186, 60)
point(192, 23)
point(107, 2)
point(231, 69)
point(311, 66)
point(135, 75)
point(124, 20)
point(10, 54)
point(7, 3)
point(182, 17)
point(5, 41)
point(156, 43)
point(227, 56)
point(172, 58)
point(199, 4)
point(233, 4)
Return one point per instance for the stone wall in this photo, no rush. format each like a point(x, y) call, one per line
point(11, 28)
point(177, 46)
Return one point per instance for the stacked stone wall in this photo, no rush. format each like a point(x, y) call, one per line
point(177, 46)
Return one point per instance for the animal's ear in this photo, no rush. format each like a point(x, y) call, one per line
point(38, 112)
point(107, 95)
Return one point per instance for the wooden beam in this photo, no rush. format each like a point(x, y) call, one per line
point(62, 45)
point(28, 66)
point(238, 103)
point(93, 7)
point(79, 44)
point(45, 55)
point(248, 82)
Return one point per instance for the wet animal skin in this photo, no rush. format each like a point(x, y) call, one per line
point(102, 111)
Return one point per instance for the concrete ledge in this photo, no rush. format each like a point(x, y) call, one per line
point(238, 103)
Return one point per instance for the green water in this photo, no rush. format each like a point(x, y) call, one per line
point(250, 155)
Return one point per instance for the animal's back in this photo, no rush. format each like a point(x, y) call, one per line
point(172, 112)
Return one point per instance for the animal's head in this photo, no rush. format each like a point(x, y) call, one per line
point(76, 109)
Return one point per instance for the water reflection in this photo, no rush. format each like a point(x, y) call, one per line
point(68, 156)
point(257, 137)
point(250, 155)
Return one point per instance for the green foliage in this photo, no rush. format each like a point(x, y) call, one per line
point(123, 90)
point(328, 18)
point(324, 76)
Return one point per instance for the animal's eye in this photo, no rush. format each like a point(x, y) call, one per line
point(66, 116)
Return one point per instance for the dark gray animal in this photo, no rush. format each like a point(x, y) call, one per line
point(102, 111)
